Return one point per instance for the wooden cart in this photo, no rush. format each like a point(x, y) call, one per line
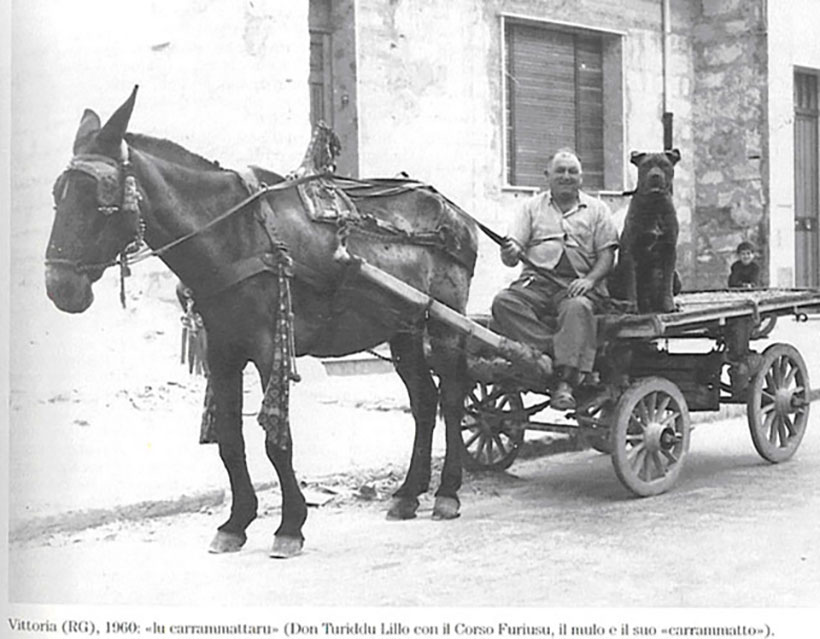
point(651, 371)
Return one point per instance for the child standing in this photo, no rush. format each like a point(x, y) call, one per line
point(745, 271)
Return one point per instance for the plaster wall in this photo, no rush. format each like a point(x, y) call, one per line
point(211, 78)
point(793, 27)
point(430, 100)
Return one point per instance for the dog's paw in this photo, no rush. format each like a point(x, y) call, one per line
point(669, 306)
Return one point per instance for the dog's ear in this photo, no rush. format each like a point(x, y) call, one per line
point(673, 155)
point(636, 156)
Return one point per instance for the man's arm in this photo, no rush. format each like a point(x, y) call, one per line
point(601, 268)
point(519, 231)
point(511, 252)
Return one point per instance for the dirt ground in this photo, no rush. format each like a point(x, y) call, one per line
point(557, 531)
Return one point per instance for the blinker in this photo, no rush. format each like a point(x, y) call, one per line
point(106, 174)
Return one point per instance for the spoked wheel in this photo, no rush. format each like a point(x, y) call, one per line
point(493, 426)
point(650, 438)
point(777, 407)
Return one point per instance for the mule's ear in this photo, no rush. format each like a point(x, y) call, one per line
point(673, 155)
point(636, 156)
point(89, 124)
point(112, 133)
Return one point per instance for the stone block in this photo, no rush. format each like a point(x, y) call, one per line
point(745, 171)
point(712, 177)
point(713, 8)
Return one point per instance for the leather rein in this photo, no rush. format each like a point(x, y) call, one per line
point(108, 172)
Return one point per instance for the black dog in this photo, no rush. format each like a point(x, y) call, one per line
point(645, 275)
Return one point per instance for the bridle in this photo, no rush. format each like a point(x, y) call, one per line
point(117, 194)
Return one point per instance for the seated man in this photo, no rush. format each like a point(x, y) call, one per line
point(572, 236)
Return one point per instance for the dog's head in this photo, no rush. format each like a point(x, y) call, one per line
point(655, 171)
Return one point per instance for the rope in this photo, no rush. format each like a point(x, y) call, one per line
point(223, 216)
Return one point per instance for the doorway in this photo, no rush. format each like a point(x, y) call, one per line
point(806, 181)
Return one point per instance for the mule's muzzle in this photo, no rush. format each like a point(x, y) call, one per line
point(69, 289)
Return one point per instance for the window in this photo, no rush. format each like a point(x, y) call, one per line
point(558, 83)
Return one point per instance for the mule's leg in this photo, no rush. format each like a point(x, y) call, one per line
point(453, 388)
point(226, 385)
point(408, 355)
point(288, 539)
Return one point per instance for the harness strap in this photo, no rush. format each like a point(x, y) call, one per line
point(218, 279)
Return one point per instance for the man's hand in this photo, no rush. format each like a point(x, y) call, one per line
point(580, 286)
point(510, 252)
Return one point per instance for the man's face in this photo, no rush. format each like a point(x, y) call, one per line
point(564, 176)
point(746, 256)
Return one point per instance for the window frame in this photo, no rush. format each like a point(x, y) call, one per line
point(614, 169)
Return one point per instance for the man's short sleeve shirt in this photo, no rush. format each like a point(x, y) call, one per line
point(545, 233)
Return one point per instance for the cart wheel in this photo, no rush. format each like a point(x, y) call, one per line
point(778, 404)
point(765, 327)
point(650, 437)
point(492, 428)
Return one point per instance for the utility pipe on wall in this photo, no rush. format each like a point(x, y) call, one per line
point(666, 13)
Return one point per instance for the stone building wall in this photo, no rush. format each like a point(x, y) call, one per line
point(730, 117)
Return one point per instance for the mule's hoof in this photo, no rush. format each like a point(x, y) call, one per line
point(403, 508)
point(286, 547)
point(446, 508)
point(227, 542)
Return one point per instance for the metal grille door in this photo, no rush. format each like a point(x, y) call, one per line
point(806, 181)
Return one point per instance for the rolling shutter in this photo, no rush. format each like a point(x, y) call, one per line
point(554, 100)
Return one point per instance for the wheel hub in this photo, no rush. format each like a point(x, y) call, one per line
point(783, 401)
point(658, 437)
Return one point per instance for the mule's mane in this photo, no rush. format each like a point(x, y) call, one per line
point(170, 151)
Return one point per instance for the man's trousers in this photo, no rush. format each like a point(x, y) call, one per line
point(522, 312)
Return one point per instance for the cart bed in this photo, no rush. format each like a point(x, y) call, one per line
point(702, 313)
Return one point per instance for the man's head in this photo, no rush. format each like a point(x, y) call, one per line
point(564, 175)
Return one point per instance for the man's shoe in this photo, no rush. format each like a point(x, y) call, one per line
point(562, 398)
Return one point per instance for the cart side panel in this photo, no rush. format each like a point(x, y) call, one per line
point(697, 375)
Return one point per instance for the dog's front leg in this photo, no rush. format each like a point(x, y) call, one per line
point(666, 298)
point(630, 282)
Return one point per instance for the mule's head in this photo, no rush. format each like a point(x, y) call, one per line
point(96, 210)
point(656, 171)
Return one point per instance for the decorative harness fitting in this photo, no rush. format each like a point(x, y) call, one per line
point(117, 192)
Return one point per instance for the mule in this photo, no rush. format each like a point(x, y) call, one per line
point(122, 188)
